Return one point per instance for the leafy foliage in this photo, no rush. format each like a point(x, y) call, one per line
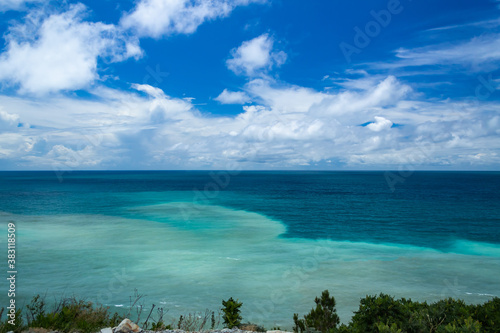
point(70, 315)
point(160, 326)
point(383, 313)
point(488, 314)
point(231, 310)
point(7, 326)
point(323, 318)
point(378, 309)
point(380, 313)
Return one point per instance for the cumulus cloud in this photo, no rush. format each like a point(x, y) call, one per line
point(8, 118)
point(57, 52)
point(287, 127)
point(156, 18)
point(289, 98)
point(254, 56)
point(380, 124)
point(62, 156)
point(8, 121)
point(150, 90)
point(232, 97)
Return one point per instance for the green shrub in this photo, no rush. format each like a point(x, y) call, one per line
point(70, 315)
point(160, 326)
point(323, 318)
point(463, 326)
point(488, 314)
point(18, 326)
point(231, 312)
point(384, 328)
point(383, 313)
point(378, 309)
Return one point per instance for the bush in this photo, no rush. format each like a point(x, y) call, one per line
point(378, 309)
point(323, 318)
point(160, 326)
point(70, 315)
point(231, 312)
point(384, 328)
point(488, 314)
point(466, 326)
point(18, 326)
point(385, 314)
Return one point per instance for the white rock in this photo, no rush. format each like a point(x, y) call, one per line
point(127, 326)
point(107, 330)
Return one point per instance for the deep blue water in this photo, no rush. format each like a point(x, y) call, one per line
point(187, 239)
point(427, 209)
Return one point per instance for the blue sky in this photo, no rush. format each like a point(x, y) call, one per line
point(250, 84)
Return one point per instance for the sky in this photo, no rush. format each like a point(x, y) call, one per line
point(250, 85)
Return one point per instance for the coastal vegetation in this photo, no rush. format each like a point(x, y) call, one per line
point(231, 309)
point(379, 313)
point(385, 314)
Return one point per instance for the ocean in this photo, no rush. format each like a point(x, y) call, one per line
point(186, 240)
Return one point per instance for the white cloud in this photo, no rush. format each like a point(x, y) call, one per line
point(232, 97)
point(369, 96)
point(291, 127)
point(156, 18)
point(255, 55)
point(287, 98)
point(380, 124)
point(61, 51)
point(6, 5)
point(150, 90)
point(64, 157)
point(8, 121)
point(8, 118)
point(478, 53)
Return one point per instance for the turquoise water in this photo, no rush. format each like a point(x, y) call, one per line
point(273, 240)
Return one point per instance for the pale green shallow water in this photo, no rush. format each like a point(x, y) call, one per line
point(221, 253)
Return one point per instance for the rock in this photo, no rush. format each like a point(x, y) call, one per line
point(107, 330)
point(127, 326)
